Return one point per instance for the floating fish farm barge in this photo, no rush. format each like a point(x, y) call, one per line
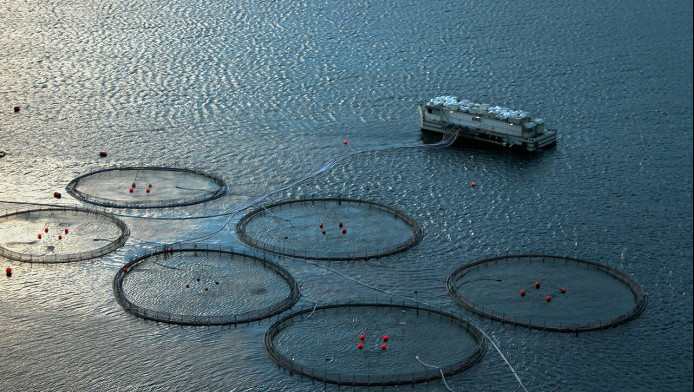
point(465, 119)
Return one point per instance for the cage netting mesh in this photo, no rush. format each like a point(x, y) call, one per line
point(59, 234)
point(146, 187)
point(362, 343)
point(198, 285)
point(329, 229)
point(554, 293)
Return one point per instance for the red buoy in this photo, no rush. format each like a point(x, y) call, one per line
point(102, 154)
point(321, 225)
point(537, 285)
point(8, 271)
point(60, 237)
point(384, 346)
point(385, 338)
point(39, 235)
point(147, 190)
point(45, 229)
point(472, 184)
point(323, 231)
point(344, 231)
point(133, 185)
point(360, 345)
point(340, 224)
point(345, 142)
point(131, 190)
point(150, 185)
point(57, 195)
point(16, 109)
point(125, 269)
point(171, 250)
point(563, 290)
point(362, 337)
point(66, 230)
point(548, 298)
point(522, 293)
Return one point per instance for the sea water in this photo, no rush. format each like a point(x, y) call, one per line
point(264, 94)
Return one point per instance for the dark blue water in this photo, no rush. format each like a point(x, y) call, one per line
point(263, 94)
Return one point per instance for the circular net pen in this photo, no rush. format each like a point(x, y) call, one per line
point(146, 187)
point(202, 286)
point(373, 343)
point(59, 235)
point(551, 293)
point(329, 229)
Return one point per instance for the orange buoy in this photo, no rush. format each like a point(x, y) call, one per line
point(563, 290)
point(57, 195)
point(102, 154)
point(8, 271)
point(522, 293)
point(320, 225)
point(548, 298)
point(537, 285)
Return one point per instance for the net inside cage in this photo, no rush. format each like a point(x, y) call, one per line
point(330, 229)
point(374, 344)
point(54, 235)
point(548, 292)
point(143, 187)
point(204, 287)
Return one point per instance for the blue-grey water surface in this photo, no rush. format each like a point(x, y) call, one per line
point(264, 93)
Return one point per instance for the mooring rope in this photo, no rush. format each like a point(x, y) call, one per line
point(440, 371)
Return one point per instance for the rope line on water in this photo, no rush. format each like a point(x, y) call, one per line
point(435, 367)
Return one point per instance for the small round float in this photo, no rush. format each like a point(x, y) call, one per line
point(551, 293)
point(146, 187)
point(329, 229)
point(31, 235)
point(198, 285)
point(345, 343)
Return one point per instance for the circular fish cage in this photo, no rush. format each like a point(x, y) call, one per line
point(329, 229)
point(146, 187)
point(374, 343)
point(551, 293)
point(59, 235)
point(202, 286)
